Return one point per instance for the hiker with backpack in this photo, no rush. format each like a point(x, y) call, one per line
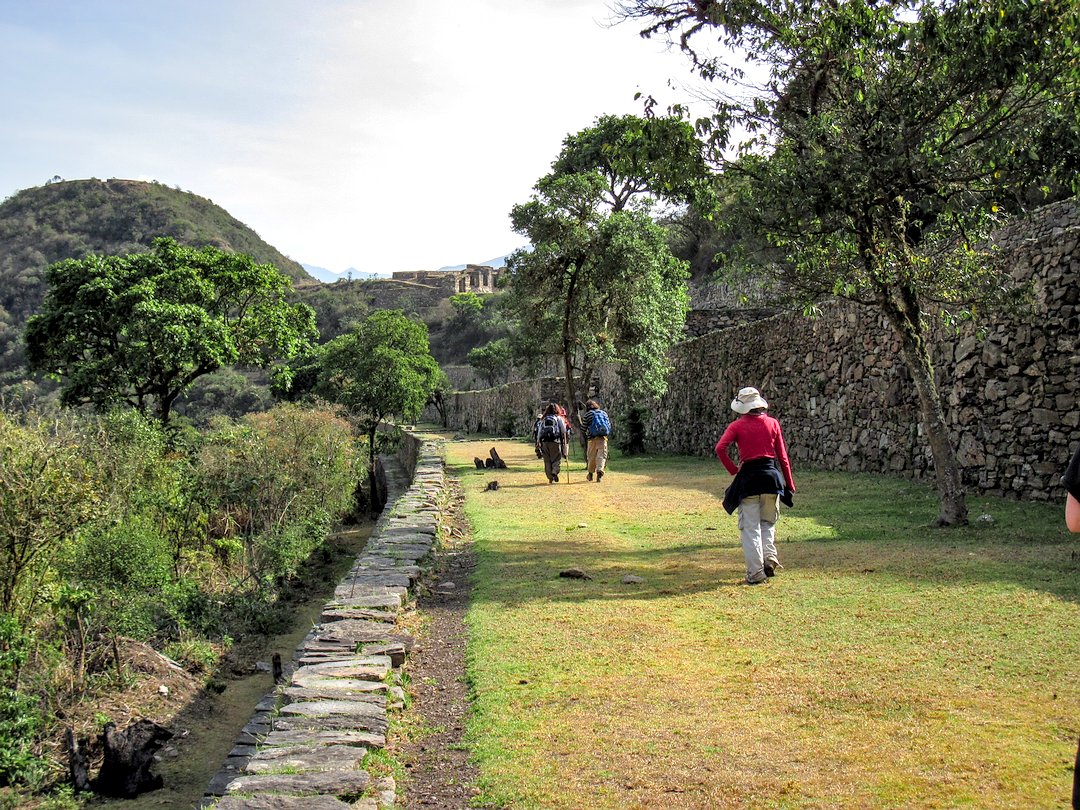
point(552, 442)
point(762, 480)
point(597, 425)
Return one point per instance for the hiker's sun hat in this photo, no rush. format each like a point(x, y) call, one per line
point(747, 399)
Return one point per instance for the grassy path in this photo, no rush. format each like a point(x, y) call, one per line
point(888, 665)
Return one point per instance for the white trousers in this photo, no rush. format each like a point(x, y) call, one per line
point(757, 530)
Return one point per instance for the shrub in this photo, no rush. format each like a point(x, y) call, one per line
point(47, 493)
point(277, 481)
point(21, 718)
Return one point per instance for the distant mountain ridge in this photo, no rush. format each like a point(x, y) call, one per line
point(76, 218)
point(329, 276)
point(497, 263)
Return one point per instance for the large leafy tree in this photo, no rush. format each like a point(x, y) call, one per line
point(599, 284)
point(140, 329)
point(884, 140)
point(382, 368)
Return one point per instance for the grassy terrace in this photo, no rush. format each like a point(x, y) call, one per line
point(888, 665)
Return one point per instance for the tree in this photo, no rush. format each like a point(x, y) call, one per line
point(886, 142)
point(139, 329)
point(599, 284)
point(382, 368)
point(47, 493)
point(494, 361)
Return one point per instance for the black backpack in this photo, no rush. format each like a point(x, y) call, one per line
point(550, 429)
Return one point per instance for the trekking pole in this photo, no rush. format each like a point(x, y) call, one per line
point(569, 450)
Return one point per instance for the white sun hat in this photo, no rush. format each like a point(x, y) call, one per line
point(747, 399)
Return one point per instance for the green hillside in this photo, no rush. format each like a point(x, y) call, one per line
point(72, 219)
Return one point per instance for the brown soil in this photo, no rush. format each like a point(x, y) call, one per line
point(438, 771)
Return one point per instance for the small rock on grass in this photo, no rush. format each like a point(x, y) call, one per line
point(631, 579)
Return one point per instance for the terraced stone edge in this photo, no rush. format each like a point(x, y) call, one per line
point(306, 742)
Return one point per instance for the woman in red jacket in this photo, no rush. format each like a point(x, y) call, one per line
point(761, 480)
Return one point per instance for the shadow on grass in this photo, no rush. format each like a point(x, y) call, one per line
point(843, 525)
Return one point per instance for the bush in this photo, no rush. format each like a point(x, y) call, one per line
point(21, 719)
point(47, 493)
point(277, 481)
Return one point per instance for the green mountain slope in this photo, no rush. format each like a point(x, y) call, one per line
point(72, 219)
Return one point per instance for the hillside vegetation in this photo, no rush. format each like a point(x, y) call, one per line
point(73, 219)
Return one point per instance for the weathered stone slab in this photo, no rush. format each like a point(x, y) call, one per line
point(309, 735)
point(351, 590)
point(336, 722)
point(352, 630)
point(326, 690)
point(336, 684)
point(325, 783)
point(394, 649)
point(337, 614)
point(306, 759)
point(282, 803)
point(327, 708)
point(386, 602)
point(383, 579)
point(369, 667)
point(388, 534)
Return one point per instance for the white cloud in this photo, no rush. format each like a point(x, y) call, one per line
point(380, 134)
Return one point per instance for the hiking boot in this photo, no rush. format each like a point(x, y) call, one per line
point(771, 566)
point(761, 581)
point(588, 477)
point(599, 476)
point(554, 479)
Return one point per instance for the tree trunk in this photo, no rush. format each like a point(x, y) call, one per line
point(905, 318)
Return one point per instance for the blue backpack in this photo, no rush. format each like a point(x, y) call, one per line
point(599, 424)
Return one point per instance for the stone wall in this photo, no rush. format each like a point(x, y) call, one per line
point(475, 278)
point(703, 321)
point(305, 744)
point(846, 401)
point(508, 410)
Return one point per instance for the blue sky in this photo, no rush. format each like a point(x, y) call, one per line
point(376, 134)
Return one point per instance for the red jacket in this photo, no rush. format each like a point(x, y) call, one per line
point(757, 435)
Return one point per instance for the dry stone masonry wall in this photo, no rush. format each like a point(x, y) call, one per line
point(845, 398)
point(305, 746)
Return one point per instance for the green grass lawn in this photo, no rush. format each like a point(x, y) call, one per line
point(889, 664)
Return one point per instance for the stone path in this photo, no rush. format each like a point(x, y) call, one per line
point(305, 745)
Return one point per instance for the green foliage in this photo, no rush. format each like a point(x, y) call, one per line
point(72, 220)
point(338, 306)
point(276, 480)
point(139, 329)
point(494, 361)
point(225, 392)
point(600, 284)
point(47, 494)
point(885, 145)
point(20, 717)
point(483, 320)
point(382, 368)
point(467, 306)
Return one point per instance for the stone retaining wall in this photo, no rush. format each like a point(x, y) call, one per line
point(845, 398)
point(307, 741)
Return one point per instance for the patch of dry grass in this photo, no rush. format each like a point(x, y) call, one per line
point(888, 665)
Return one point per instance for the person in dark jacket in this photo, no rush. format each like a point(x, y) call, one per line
point(1071, 480)
point(552, 442)
point(761, 480)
